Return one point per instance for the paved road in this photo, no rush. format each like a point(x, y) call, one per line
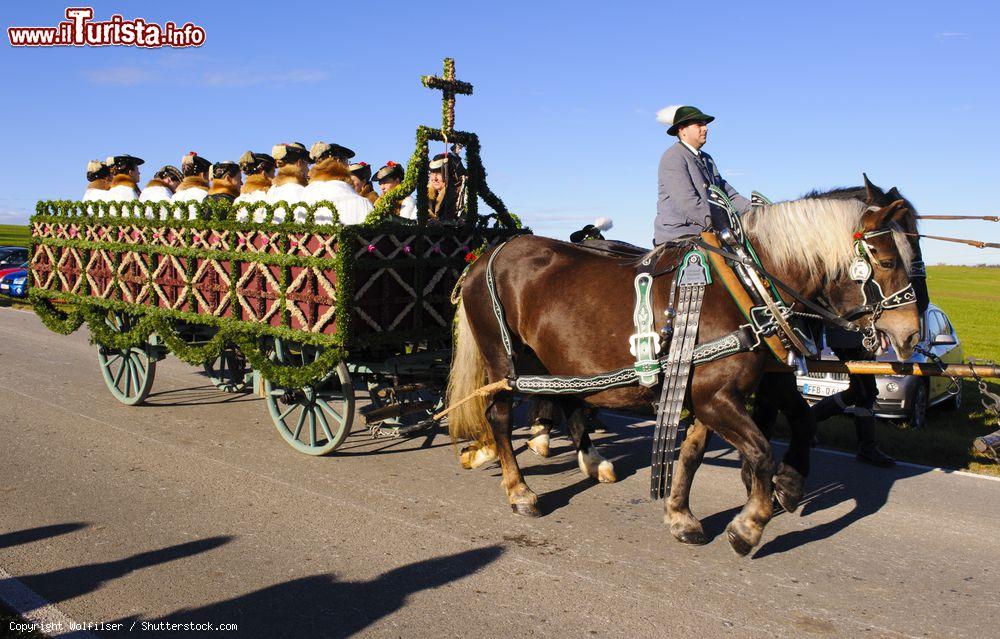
point(193, 509)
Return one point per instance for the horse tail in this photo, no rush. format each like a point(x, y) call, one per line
point(468, 373)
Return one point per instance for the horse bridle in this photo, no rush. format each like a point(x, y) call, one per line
point(862, 271)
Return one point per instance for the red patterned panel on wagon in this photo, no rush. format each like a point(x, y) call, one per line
point(210, 285)
point(254, 241)
point(101, 270)
point(210, 239)
point(69, 269)
point(311, 300)
point(134, 277)
point(42, 268)
point(321, 245)
point(171, 284)
point(258, 290)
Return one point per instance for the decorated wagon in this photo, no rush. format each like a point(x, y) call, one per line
point(307, 310)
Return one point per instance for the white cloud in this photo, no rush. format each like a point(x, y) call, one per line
point(945, 35)
point(13, 216)
point(123, 76)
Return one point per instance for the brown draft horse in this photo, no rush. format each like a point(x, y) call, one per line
point(569, 312)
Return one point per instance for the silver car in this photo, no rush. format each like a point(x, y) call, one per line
point(903, 397)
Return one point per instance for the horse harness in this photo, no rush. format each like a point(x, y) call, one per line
point(673, 351)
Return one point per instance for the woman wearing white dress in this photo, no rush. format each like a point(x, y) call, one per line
point(292, 161)
point(330, 180)
point(259, 171)
point(194, 187)
point(124, 183)
point(98, 181)
point(160, 189)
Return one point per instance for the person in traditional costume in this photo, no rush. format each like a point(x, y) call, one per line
point(259, 170)
point(389, 177)
point(361, 177)
point(226, 182)
point(161, 188)
point(685, 174)
point(124, 178)
point(332, 181)
point(194, 185)
point(98, 181)
point(446, 186)
point(292, 161)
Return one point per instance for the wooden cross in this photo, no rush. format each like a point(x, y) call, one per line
point(450, 87)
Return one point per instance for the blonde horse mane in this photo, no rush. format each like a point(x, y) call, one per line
point(814, 234)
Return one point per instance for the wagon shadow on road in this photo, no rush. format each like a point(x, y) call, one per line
point(197, 396)
point(67, 583)
point(321, 606)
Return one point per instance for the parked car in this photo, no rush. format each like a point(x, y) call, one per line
point(903, 397)
point(4, 270)
point(15, 283)
point(12, 256)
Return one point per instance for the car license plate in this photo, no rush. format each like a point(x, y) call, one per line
point(822, 390)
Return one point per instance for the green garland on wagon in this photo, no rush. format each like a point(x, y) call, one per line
point(192, 233)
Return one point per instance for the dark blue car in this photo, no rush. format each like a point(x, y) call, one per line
point(15, 283)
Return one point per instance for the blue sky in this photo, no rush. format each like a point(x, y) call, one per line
point(806, 95)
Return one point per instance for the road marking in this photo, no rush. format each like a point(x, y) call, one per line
point(27, 603)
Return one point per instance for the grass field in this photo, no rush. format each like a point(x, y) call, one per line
point(971, 298)
point(14, 235)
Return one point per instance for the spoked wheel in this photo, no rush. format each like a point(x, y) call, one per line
point(128, 373)
point(229, 371)
point(315, 419)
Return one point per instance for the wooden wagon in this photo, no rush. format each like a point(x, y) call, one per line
point(307, 309)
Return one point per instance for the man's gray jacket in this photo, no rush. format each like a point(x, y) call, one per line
point(682, 206)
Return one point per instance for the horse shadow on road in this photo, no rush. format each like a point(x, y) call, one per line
point(321, 606)
point(834, 479)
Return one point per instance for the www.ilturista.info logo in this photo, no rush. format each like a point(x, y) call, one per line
point(79, 30)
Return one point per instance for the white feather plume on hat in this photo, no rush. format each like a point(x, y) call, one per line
point(666, 114)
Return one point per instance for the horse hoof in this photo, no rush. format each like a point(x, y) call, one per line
point(692, 537)
point(606, 473)
point(539, 445)
point(789, 500)
point(474, 457)
point(526, 510)
point(740, 546)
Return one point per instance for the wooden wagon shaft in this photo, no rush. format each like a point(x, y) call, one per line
point(897, 368)
point(975, 243)
point(987, 218)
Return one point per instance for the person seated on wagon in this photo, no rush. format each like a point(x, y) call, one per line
point(685, 174)
point(124, 178)
point(194, 185)
point(389, 177)
point(361, 176)
point(226, 182)
point(161, 188)
point(331, 181)
point(292, 161)
point(259, 171)
point(446, 187)
point(98, 181)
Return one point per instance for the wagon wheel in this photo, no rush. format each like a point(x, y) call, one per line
point(128, 373)
point(315, 419)
point(229, 371)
